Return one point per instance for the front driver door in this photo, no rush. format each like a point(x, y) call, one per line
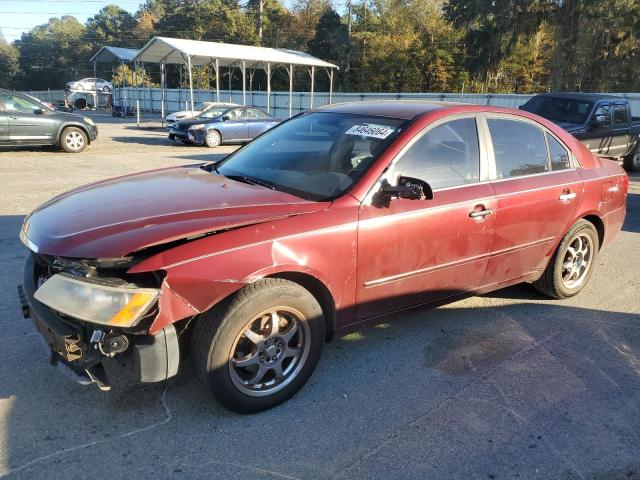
point(598, 134)
point(25, 124)
point(416, 251)
point(235, 127)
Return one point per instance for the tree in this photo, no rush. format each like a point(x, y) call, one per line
point(53, 54)
point(9, 63)
point(112, 26)
point(331, 42)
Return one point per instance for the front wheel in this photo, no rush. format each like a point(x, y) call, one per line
point(259, 347)
point(73, 140)
point(631, 163)
point(106, 89)
point(212, 139)
point(572, 263)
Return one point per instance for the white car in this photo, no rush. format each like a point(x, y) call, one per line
point(90, 85)
point(198, 109)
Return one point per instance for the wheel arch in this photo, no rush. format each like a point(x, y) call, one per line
point(321, 293)
point(76, 125)
point(219, 130)
point(597, 222)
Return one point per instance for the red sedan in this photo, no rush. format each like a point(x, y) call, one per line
point(336, 217)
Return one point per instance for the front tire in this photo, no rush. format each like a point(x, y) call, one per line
point(73, 140)
point(259, 347)
point(572, 263)
point(106, 89)
point(212, 139)
point(631, 163)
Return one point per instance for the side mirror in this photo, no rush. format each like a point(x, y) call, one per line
point(225, 118)
point(598, 121)
point(38, 111)
point(408, 188)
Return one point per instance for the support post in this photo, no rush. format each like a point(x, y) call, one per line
point(230, 74)
point(268, 86)
point(162, 91)
point(312, 72)
point(244, 82)
point(290, 90)
point(190, 83)
point(331, 86)
point(124, 90)
point(217, 80)
point(138, 113)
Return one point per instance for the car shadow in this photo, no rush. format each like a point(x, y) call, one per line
point(159, 140)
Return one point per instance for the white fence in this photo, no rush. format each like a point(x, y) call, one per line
point(178, 99)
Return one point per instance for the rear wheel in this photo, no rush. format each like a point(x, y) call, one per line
point(212, 138)
point(572, 263)
point(631, 162)
point(73, 140)
point(106, 89)
point(258, 348)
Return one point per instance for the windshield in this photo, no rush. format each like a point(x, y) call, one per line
point(559, 109)
point(316, 156)
point(213, 112)
point(201, 106)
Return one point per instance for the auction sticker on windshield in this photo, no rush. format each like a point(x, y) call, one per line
point(370, 130)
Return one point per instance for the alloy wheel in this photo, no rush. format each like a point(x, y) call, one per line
point(577, 261)
point(269, 351)
point(74, 140)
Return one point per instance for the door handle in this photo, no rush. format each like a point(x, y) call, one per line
point(13, 117)
point(565, 197)
point(481, 213)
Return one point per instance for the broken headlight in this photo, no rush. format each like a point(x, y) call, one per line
point(96, 303)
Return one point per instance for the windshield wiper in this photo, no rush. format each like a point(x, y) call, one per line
point(250, 181)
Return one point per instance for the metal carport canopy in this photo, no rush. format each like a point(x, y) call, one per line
point(108, 54)
point(164, 50)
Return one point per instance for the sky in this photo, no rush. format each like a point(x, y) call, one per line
point(21, 16)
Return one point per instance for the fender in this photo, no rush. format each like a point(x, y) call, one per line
point(71, 124)
point(203, 272)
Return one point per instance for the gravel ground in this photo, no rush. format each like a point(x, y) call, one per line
point(508, 385)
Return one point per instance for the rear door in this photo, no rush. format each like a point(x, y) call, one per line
point(416, 251)
point(538, 187)
point(25, 125)
point(258, 122)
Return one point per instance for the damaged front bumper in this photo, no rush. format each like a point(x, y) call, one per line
point(80, 350)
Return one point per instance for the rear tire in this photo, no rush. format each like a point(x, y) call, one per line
point(73, 140)
point(212, 139)
point(631, 163)
point(106, 89)
point(248, 364)
point(572, 263)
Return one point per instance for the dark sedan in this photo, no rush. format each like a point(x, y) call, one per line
point(26, 121)
point(224, 125)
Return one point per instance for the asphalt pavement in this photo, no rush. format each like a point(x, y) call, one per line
point(507, 385)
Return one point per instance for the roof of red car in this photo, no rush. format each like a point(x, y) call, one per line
point(405, 109)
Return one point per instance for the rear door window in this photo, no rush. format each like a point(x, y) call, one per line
point(445, 156)
point(519, 148)
point(558, 155)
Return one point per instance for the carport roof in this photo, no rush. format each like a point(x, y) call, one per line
point(109, 54)
point(176, 50)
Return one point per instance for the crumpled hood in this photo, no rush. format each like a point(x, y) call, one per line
point(116, 217)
